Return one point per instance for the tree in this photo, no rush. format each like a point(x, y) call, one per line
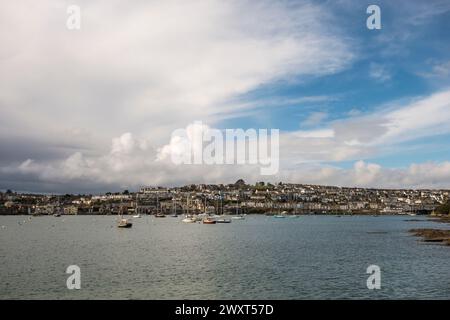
point(443, 208)
point(126, 192)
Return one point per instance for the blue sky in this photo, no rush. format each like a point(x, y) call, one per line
point(95, 109)
point(378, 76)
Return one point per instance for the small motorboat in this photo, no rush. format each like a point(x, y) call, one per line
point(160, 215)
point(279, 216)
point(223, 221)
point(137, 216)
point(124, 223)
point(188, 220)
point(209, 221)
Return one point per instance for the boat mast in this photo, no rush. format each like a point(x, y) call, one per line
point(187, 204)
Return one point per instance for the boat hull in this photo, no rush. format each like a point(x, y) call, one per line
point(125, 225)
point(223, 221)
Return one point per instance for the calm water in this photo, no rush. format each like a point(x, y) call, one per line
point(261, 257)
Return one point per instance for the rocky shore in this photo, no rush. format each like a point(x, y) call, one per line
point(433, 235)
point(442, 236)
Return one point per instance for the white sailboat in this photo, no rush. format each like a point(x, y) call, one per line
point(122, 222)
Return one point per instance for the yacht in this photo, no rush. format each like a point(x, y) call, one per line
point(189, 219)
point(124, 223)
point(209, 221)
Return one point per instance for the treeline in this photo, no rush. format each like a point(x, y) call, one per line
point(443, 209)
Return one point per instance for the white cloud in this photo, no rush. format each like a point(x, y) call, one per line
point(314, 119)
point(138, 72)
point(153, 66)
point(132, 162)
point(78, 172)
point(379, 72)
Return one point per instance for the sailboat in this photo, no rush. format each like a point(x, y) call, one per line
point(188, 218)
point(174, 209)
point(209, 220)
point(280, 215)
point(158, 214)
point(237, 216)
point(57, 212)
point(123, 223)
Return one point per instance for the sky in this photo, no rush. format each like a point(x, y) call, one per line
point(94, 110)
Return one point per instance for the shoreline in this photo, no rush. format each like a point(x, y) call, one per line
point(249, 214)
point(434, 235)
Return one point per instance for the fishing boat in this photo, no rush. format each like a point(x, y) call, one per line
point(209, 221)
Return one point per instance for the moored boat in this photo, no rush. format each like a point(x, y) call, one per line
point(189, 219)
point(223, 221)
point(124, 223)
point(209, 221)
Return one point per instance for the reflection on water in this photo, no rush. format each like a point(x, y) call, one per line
point(318, 257)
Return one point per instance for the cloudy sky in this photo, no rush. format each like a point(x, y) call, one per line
point(93, 110)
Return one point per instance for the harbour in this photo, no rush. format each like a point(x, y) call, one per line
point(259, 257)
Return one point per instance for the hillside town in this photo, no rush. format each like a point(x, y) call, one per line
point(237, 198)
